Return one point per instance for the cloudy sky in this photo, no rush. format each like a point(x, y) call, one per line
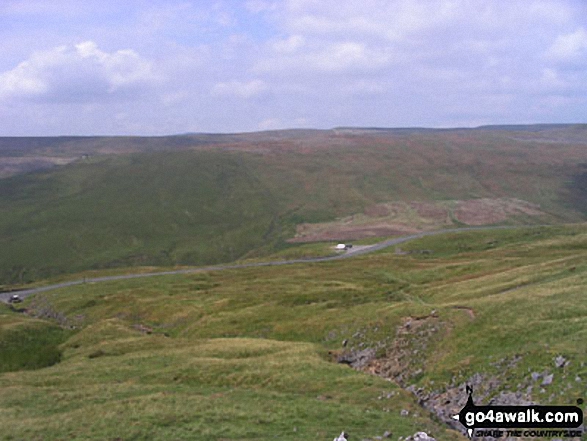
point(147, 67)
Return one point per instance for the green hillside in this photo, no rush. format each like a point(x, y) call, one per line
point(250, 353)
point(200, 199)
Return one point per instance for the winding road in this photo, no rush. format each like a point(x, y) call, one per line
point(358, 251)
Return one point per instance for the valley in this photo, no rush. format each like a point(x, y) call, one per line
point(134, 202)
point(196, 292)
point(490, 308)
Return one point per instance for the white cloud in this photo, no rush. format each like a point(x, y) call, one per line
point(396, 20)
point(239, 88)
point(257, 6)
point(279, 123)
point(366, 88)
point(236, 66)
point(335, 57)
point(270, 124)
point(22, 81)
point(350, 54)
point(289, 45)
point(79, 74)
point(550, 79)
point(359, 37)
point(569, 47)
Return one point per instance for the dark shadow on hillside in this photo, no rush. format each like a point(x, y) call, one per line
point(29, 350)
point(577, 190)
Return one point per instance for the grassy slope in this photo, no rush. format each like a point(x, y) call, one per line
point(242, 354)
point(133, 210)
point(244, 198)
point(27, 343)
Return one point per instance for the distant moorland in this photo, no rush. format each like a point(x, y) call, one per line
point(381, 345)
point(69, 204)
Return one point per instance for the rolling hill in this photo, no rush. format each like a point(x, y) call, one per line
point(260, 353)
point(200, 198)
point(380, 344)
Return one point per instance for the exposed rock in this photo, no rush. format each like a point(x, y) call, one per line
point(387, 434)
point(405, 359)
point(420, 436)
point(512, 399)
point(547, 379)
point(412, 339)
point(357, 359)
point(560, 361)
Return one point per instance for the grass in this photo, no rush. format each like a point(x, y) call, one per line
point(297, 251)
point(247, 354)
point(28, 344)
point(153, 387)
point(204, 200)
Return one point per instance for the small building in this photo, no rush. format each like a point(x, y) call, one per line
point(341, 246)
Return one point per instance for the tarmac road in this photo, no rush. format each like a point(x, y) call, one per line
point(348, 254)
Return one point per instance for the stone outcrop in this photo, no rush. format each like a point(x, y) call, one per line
point(420, 436)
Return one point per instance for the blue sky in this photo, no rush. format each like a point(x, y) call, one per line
point(163, 67)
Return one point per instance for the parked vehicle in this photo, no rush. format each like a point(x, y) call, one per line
point(14, 298)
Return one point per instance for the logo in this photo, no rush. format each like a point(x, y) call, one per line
point(528, 421)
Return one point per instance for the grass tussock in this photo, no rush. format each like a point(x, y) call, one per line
point(247, 354)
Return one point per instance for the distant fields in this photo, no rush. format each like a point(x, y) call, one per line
point(249, 353)
point(201, 199)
